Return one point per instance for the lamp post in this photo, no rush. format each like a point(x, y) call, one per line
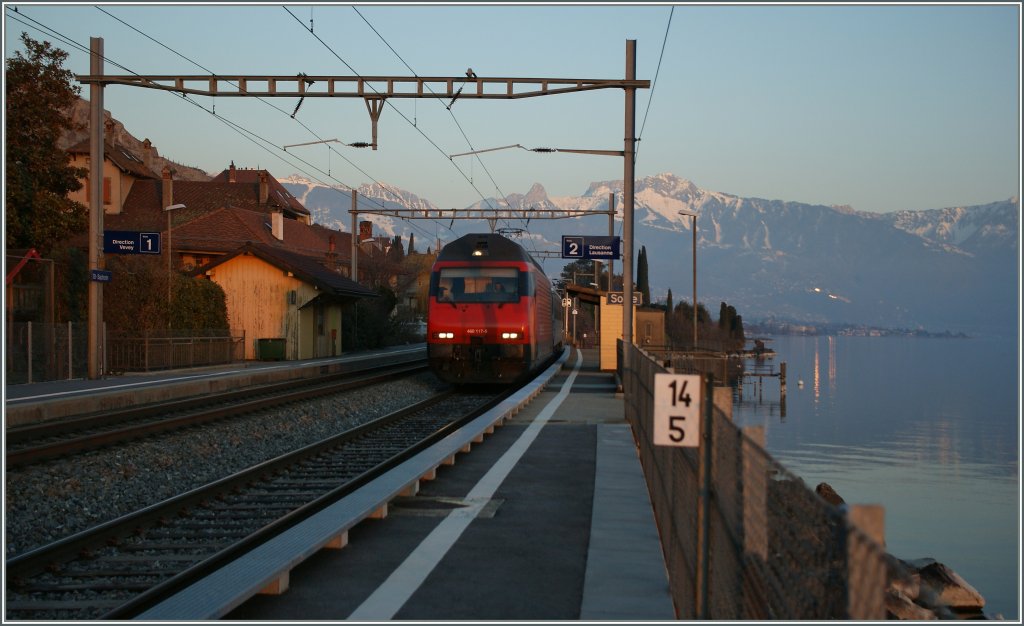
point(693, 225)
point(354, 267)
point(168, 210)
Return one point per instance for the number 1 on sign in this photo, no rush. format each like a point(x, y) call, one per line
point(677, 410)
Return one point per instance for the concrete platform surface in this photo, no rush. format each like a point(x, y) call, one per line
point(548, 519)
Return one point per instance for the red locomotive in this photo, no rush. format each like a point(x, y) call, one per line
point(493, 316)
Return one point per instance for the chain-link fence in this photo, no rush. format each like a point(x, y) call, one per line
point(743, 538)
point(36, 352)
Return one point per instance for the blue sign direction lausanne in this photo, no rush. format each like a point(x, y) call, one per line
point(589, 247)
point(130, 242)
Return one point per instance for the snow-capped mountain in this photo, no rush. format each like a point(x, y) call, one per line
point(979, 229)
point(330, 206)
point(954, 268)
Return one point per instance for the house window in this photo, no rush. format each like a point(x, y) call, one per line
point(106, 189)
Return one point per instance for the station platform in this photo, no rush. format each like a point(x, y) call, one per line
point(59, 399)
point(547, 519)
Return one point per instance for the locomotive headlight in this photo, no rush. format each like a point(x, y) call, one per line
point(446, 335)
point(510, 335)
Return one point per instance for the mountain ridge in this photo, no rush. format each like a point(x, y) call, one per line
point(954, 267)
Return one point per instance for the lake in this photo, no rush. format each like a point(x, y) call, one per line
point(927, 427)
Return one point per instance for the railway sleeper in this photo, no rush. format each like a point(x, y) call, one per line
point(212, 532)
point(133, 558)
point(110, 573)
point(57, 588)
point(36, 605)
point(200, 549)
point(276, 497)
point(244, 507)
point(222, 519)
point(320, 486)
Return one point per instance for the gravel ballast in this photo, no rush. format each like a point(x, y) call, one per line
point(58, 498)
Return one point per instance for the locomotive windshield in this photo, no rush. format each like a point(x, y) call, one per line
point(478, 284)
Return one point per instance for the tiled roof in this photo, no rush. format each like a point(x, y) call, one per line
point(303, 267)
point(276, 193)
point(219, 217)
point(225, 229)
point(119, 156)
point(206, 196)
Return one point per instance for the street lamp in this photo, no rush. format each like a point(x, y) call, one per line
point(693, 223)
point(168, 210)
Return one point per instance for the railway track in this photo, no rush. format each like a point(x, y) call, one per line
point(119, 568)
point(33, 444)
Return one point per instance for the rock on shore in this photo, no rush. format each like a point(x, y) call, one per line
point(927, 589)
point(922, 589)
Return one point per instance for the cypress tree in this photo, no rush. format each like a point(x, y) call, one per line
point(669, 313)
point(642, 279)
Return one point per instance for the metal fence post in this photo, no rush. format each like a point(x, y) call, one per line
point(103, 351)
point(30, 353)
point(704, 506)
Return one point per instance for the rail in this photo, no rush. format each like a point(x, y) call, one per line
point(742, 537)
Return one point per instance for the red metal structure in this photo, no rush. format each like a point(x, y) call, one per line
point(492, 315)
point(31, 254)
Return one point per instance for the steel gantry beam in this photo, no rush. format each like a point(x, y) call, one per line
point(370, 87)
point(374, 90)
point(485, 214)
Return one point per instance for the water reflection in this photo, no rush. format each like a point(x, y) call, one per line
point(832, 377)
point(928, 428)
point(817, 373)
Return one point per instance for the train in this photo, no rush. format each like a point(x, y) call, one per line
point(492, 316)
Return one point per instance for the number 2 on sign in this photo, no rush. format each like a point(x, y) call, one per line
point(677, 410)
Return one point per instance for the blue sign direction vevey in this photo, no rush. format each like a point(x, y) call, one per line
point(589, 247)
point(130, 242)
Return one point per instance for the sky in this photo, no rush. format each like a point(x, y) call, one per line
point(879, 107)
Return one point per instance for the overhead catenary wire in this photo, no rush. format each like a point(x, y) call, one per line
point(263, 100)
point(400, 114)
point(470, 74)
point(251, 136)
point(654, 84)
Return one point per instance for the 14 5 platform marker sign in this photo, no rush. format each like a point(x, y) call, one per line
point(677, 410)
